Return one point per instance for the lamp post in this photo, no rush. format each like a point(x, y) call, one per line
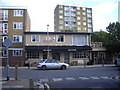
point(47, 42)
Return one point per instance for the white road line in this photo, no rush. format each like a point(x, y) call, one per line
point(57, 79)
point(44, 80)
point(70, 78)
point(2, 82)
point(105, 77)
point(85, 78)
point(94, 77)
point(117, 77)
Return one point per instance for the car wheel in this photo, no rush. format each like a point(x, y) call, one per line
point(63, 67)
point(43, 67)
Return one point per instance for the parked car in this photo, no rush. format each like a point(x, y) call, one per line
point(51, 64)
point(117, 61)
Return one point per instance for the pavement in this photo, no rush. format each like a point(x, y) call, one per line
point(28, 83)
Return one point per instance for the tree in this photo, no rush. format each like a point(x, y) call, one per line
point(100, 36)
point(114, 37)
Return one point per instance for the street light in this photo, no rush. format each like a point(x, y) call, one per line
point(47, 42)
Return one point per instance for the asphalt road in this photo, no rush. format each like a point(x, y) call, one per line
point(72, 78)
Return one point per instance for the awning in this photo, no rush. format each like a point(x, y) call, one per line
point(51, 48)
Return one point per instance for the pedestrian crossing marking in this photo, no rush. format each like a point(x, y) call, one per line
point(94, 77)
point(83, 78)
point(70, 78)
point(103, 77)
point(57, 79)
point(44, 80)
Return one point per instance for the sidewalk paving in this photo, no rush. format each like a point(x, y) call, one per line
point(27, 83)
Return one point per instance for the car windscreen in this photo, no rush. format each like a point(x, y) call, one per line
point(42, 61)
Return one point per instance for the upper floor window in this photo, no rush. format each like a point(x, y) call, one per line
point(17, 39)
point(18, 12)
point(80, 40)
point(4, 53)
point(60, 6)
point(60, 38)
point(18, 25)
point(4, 28)
point(35, 38)
point(61, 17)
point(4, 37)
point(17, 52)
point(4, 15)
point(61, 11)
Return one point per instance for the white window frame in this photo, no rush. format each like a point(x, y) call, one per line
point(78, 13)
point(4, 37)
point(58, 37)
point(61, 22)
point(80, 40)
point(61, 17)
point(36, 39)
point(17, 52)
point(17, 39)
point(61, 11)
point(4, 15)
point(60, 27)
point(18, 12)
point(18, 25)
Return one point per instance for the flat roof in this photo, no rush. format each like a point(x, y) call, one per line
point(68, 48)
point(13, 7)
point(57, 33)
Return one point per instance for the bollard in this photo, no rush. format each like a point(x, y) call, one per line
point(84, 63)
point(28, 65)
point(16, 72)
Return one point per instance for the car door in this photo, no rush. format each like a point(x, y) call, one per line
point(49, 64)
point(56, 64)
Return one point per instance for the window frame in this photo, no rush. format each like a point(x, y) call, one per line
point(17, 52)
point(18, 12)
point(17, 25)
point(36, 36)
point(60, 41)
point(17, 39)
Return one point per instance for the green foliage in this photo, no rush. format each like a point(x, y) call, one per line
point(110, 39)
point(69, 30)
point(100, 36)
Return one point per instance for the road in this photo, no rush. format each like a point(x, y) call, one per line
point(107, 77)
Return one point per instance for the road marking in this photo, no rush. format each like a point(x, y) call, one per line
point(85, 78)
point(94, 77)
point(57, 79)
point(70, 78)
point(44, 80)
point(2, 82)
point(103, 77)
point(47, 86)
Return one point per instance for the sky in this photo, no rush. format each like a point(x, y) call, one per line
point(41, 12)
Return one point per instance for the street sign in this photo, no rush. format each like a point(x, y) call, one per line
point(7, 42)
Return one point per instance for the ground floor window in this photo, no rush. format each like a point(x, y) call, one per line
point(80, 54)
point(56, 56)
point(33, 55)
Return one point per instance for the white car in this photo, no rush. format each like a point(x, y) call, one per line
point(51, 64)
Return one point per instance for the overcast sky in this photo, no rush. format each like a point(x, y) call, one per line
point(41, 12)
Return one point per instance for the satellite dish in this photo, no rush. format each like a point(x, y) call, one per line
point(7, 42)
